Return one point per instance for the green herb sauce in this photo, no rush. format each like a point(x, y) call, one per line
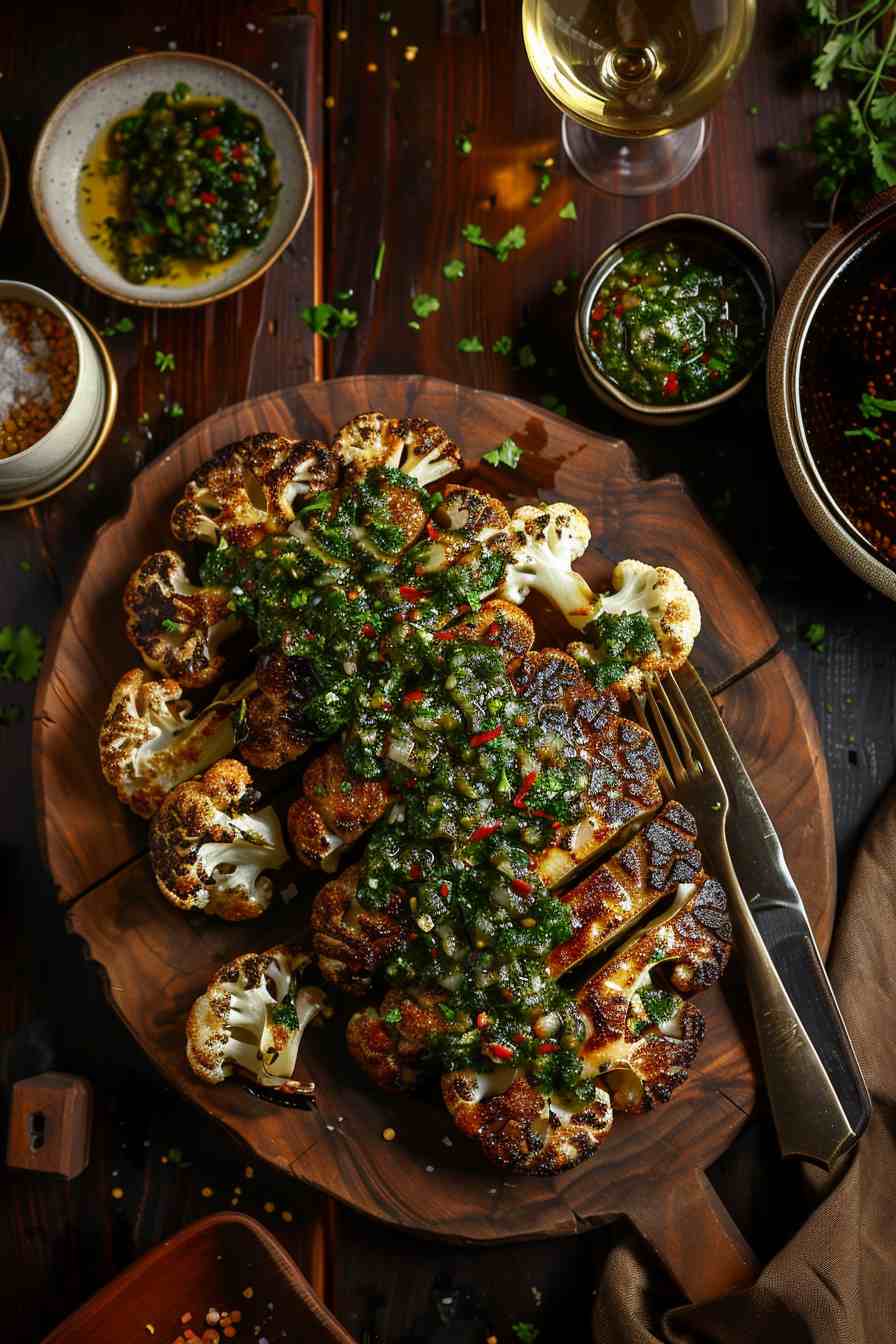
point(667, 329)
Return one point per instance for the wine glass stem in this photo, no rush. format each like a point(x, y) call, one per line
point(637, 167)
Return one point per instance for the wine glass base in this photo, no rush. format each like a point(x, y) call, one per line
point(635, 167)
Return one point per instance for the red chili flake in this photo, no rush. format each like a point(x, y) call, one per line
point(521, 886)
point(213, 133)
point(386, 706)
point(218, 154)
point(704, 358)
point(519, 1037)
point(618, 310)
point(480, 739)
point(202, 238)
point(169, 200)
point(411, 593)
point(493, 631)
point(482, 1021)
point(635, 280)
point(444, 634)
point(498, 1051)
point(434, 952)
point(488, 828)
point(416, 871)
point(236, 177)
point(597, 337)
point(670, 385)
point(443, 890)
point(238, 152)
point(547, 1048)
point(713, 373)
point(208, 198)
point(412, 697)
point(398, 618)
point(432, 531)
point(528, 781)
point(686, 347)
point(367, 630)
point(599, 313)
point(556, 825)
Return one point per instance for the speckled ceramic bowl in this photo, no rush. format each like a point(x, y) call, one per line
point(713, 236)
point(62, 450)
point(815, 375)
point(71, 131)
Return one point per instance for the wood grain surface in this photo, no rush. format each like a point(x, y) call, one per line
point(388, 172)
point(156, 962)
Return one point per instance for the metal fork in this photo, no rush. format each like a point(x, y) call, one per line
point(809, 1118)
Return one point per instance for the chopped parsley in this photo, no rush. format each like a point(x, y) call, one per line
point(425, 304)
point(327, 321)
point(164, 362)
point(21, 653)
point(453, 269)
point(119, 328)
point(378, 264)
point(462, 143)
point(507, 454)
point(814, 635)
point(569, 211)
point(512, 240)
point(470, 345)
point(503, 345)
point(526, 357)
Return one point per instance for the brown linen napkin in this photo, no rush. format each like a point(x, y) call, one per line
point(834, 1282)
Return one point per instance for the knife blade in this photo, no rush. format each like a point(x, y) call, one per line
point(778, 910)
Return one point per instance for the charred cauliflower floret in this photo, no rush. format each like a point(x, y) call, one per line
point(391, 1045)
point(328, 817)
point(466, 525)
point(252, 1018)
point(544, 543)
point(177, 628)
point(149, 743)
point(645, 627)
point(209, 852)
point(250, 489)
point(520, 1127)
point(271, 733)
point(415, 446)
point(352, 943)
point(497, 622)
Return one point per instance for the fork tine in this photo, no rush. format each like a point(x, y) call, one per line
point(692, 729)
point(673, 760)
point(664, 779)
point(686, 752)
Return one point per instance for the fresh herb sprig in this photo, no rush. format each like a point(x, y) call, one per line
point(855, 146)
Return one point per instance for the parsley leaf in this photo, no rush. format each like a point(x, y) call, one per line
point(378, 264)
point(559, 287)
point(425, 304)
point(512, 241)
point(470, 345)
point(393, 1016)
point(454, 269)
point(507, 454)
point(569, 211)
point(119, 328)
point(164, 363)
point(462, 143)
point(503, 345)
point(814, 636)
point(526, 357)
point(21, 653)
point(327, 321)
point(552, 403)
point(525, 1332)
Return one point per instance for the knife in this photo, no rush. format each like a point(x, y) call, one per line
point(778, 911)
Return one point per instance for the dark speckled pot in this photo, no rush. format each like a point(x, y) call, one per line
point(801, 314)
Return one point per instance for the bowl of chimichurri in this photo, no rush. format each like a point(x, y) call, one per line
point(170, 179)
point(672, 319)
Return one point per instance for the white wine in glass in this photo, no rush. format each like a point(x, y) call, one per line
point(635, 80)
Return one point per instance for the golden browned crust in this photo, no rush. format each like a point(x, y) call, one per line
point(250, 490)
point(204, 813)
point(413, 445)
point(521, 1128)
point(352, 943)
point(175, 627)
point(271, 734)
point(391, 1050)
point(621, 891)
point(325, 819)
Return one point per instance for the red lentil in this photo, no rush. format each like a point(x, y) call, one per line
point(38, 370)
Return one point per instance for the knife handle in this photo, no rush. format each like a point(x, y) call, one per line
point(809, 1119)
point(801, 968)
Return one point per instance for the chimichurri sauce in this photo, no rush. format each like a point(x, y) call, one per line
point(666, 328)
point(199, 183)
point(481, 779)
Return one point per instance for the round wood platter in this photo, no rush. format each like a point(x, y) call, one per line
point(156, 961)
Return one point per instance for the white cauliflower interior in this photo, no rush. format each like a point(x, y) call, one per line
point(545, 542)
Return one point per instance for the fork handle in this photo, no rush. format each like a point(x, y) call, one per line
point(809, 1119)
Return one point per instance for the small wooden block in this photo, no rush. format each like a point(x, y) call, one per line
point(49, 1124)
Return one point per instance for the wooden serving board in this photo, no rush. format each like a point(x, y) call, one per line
point(156, 961)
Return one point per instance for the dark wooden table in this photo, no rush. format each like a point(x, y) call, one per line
point(388, 170)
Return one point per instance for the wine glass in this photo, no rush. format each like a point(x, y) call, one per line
point(635, 80)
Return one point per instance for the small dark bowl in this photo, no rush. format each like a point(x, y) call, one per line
point(816, 355)
point(712, 236)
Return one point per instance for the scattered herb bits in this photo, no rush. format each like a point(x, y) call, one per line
point(470, 345)
point(507, 454)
